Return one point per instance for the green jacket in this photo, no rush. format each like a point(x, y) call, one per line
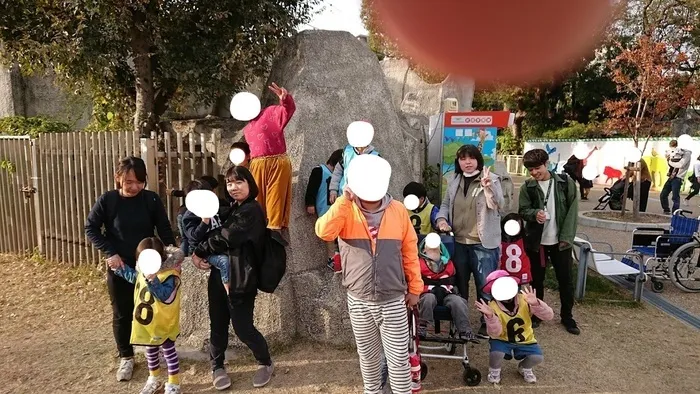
point(531, 200)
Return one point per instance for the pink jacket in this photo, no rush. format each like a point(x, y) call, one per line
point(493, 323)
point(265, 134)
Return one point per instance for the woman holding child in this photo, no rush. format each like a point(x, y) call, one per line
point(470, 209)
point(128, 214)
point(241, 238)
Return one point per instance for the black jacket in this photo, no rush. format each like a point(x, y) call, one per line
point(241, 237)
point(126, 222)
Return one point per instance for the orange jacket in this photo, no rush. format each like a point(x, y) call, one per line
point(378, 270)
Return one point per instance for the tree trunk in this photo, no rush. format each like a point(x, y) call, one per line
point(144, 117)
point(624, 194)
point(637, 189)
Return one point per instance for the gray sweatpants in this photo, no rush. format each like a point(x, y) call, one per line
point(456, 304)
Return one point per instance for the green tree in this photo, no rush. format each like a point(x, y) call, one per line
point(140, 56)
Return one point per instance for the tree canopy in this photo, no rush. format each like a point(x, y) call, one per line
point(141, 56)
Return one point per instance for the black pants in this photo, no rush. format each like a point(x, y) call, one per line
point(121, 294)
point(238, 311)
point(562, 262)
point(694, 188)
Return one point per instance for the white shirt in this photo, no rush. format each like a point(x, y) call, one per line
point(696, 168)
point(550, 233)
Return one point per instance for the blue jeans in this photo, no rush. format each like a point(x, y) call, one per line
point(222, 263)
point(671, 185)
point(476, 260)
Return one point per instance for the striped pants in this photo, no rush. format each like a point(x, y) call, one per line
point(376, 326)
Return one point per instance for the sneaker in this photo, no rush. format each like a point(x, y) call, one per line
point(220, 379)
point(329, 264)
point(125, 370)
point(152, 386)
point(571, 326)
point(422, 331)
point(172, 388)
point(415, 387)
point(469, 337)
point(263, 375)
point(482, 332)
point(528, 375)
point(667, 212)
point(495, 376)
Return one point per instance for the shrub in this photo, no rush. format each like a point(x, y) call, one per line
point(32, 126)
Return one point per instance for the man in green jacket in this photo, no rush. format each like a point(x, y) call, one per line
point(548, 204)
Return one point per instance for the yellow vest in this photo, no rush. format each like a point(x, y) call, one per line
point(421, 220)
point(154, 321)
point(518, 328)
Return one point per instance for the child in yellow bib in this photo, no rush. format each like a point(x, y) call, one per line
point(509, 325)
point(156, 322)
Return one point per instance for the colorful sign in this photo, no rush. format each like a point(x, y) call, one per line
point(475, 128)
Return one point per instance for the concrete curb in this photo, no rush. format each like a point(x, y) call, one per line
point(613, 225)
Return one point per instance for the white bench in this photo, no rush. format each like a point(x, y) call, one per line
point(605, 264)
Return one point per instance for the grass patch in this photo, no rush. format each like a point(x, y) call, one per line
point(599, 290)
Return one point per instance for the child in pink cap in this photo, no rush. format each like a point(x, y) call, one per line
point(509, 325)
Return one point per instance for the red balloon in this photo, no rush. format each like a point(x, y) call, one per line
point(488, 40)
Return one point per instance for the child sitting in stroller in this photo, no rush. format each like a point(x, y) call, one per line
point(439, 288)
point(509, 324)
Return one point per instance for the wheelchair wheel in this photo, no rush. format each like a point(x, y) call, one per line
point(423, 370)
point(684, 267)
point(657, 286)
point(471, 376)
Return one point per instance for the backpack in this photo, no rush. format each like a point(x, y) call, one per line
point(273, 264)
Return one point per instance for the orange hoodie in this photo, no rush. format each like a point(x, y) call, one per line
point(379, 270)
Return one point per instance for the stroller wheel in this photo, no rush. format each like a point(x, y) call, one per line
point(657, 286)
point(471, 376)
point(423, 370)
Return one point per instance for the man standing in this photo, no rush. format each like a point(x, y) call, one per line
point(549, 206)
point(678, 162)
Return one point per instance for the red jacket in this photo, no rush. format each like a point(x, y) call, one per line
point(444, 278)
point(515, 261)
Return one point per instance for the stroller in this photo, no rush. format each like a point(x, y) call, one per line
point(449, 343)
point(613, 196)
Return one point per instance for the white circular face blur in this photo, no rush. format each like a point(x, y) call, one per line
point(504, 288)
point(411, 202)
point(512, 227)
point(245, 106)
point(360, 134)
point(237, 156)
point(149, 261)
point(432, 241)
point(368, 177)
point(203, 203)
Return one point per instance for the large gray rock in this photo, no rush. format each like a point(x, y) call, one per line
point(335, 80)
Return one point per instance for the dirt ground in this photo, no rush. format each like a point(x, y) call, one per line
point(56, 337)
point(615, 216)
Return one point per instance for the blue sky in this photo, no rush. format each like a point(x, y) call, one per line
point(337, 15)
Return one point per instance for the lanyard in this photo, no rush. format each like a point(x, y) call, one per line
point(549, 189)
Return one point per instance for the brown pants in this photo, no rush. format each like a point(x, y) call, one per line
point(273, 175)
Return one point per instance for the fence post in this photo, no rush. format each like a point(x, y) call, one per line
point(149, 154)
point(37, 204)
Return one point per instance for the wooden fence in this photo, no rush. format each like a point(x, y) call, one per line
point(57, 178)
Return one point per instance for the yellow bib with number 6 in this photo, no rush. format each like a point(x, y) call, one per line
point(155, 320)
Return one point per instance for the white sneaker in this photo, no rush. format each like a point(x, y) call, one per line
point(172, 388)
point(126, 369)
point(494, 376)
point(528, 375)
point(152, 386)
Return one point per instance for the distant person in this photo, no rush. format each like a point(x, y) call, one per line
point(694, 179)
point(678, 161)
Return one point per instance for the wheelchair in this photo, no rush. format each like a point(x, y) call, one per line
point(672, 254)
point(443, 343)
